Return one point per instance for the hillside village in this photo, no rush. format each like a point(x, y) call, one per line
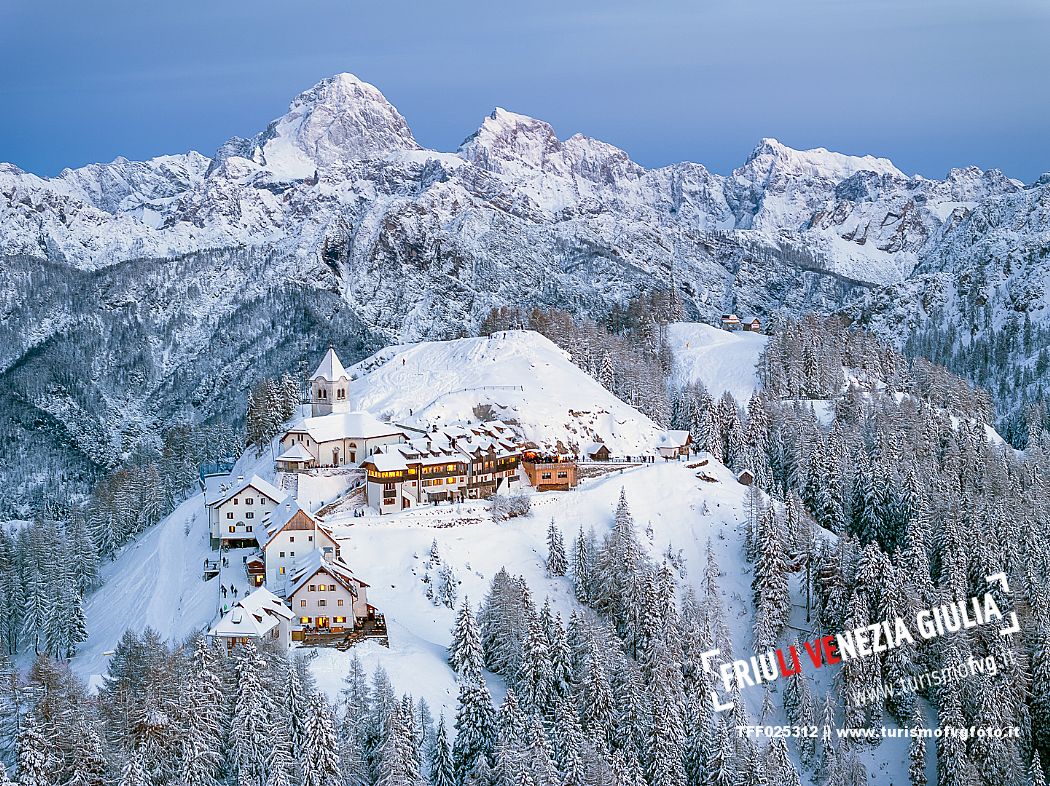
point(281, 571)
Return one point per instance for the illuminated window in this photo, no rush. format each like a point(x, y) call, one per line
point(281, 571)
point(233, 528)
point(304, 620)
point(340, 619)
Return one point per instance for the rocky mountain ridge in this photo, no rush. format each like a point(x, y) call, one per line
point(140, 294)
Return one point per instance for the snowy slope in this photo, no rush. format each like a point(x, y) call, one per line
point(523, 376)
point(720, 359)
point(157, 580)
point(389, 554)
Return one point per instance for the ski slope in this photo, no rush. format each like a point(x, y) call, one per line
point(720, 359)
point(523, 376)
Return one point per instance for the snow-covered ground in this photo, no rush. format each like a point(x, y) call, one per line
point(523, 376)
point(720, 359)
point(390, 553)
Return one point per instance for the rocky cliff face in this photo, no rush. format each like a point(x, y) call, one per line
point(137, 294)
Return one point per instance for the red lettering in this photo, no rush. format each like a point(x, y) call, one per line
point(831, 650)
point(815, 653)
point(796, 666)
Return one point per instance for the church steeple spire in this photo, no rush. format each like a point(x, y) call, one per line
point(329, 386)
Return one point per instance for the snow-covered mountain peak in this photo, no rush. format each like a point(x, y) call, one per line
point(341, 118)
point(507, 137)
point(771, 158)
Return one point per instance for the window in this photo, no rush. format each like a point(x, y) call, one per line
point(233, 528)
point(339, 602)
point(291, 538)
point(450, 481)
point(249, 501)
point(229, 515)
point(563, 474)
point(313, 588)
point(282, 553)
point(249, 514)
point(545, 476)
point(310, 538)
point(291, 553)
point(304, 620)
point(281, 571)
point(302, 604)
point(331, 587)
point(339, 619)
point(321, 602)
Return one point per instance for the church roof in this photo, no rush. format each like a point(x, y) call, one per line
point(345, 425)
point(331, 368)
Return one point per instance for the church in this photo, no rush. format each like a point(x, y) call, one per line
point(333, 435)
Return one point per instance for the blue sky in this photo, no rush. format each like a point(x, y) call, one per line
point(928, 83)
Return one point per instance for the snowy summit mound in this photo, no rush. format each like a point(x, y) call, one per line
point(720, 359)
point(520, 377)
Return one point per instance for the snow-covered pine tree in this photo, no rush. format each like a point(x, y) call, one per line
point(134, 773)
point(250, 729)
point(447, 586)
point(441, 771)
point(35, 758)
point(320, 760)
point(203, 750)
point(770, 584)
point(917, 751)
point(464, 652)
point(557, 563)
point(476, 729)
point(399, 764)
point(583, 557)
point(597, 708)
point(534, 677)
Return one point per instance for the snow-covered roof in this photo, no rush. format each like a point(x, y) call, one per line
point(296, 453)
point(331, 369)
point(310, 564)
point(388, 461)
point(254, 615)
point(593, 447)
point(264, 487)
point(275, 520)
point(345, 425)
point(673, 439)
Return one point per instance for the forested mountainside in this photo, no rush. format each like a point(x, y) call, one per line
point(132, 293)
point(878, 492)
